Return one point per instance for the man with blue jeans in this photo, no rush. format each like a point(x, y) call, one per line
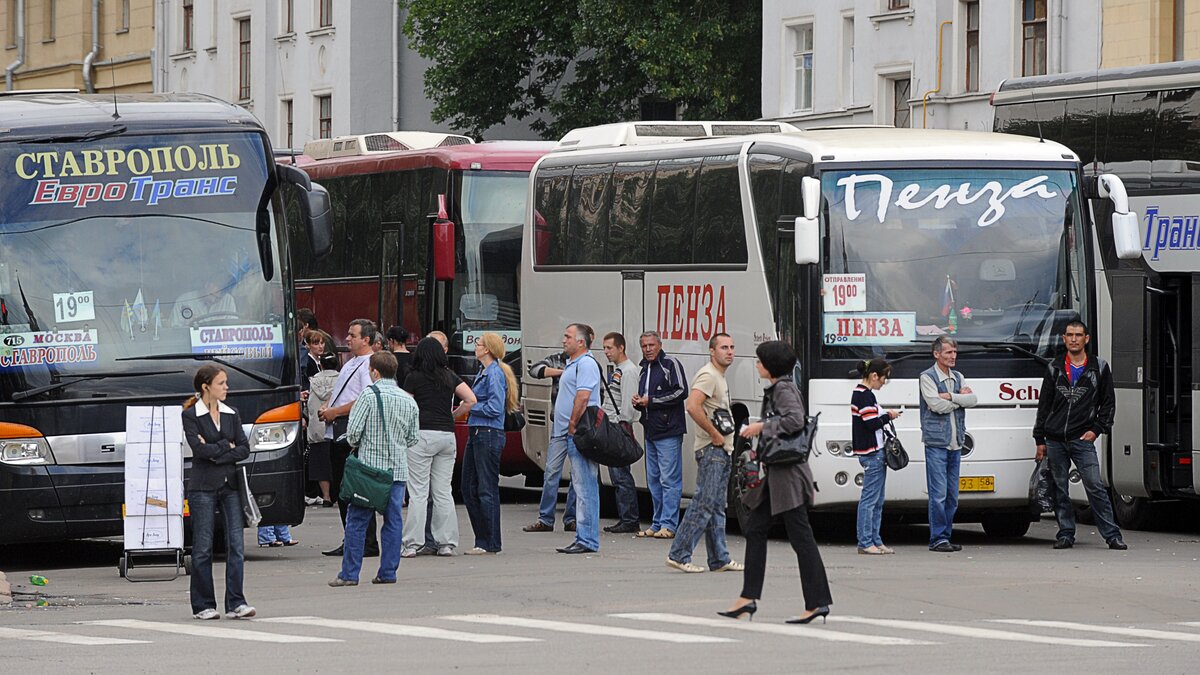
point(662, 391)
point(1077, 404)
point(579, 388)
point(384, 423)
point(620, 407)
point(556, 456)
point(944, 400)
point(706, 514)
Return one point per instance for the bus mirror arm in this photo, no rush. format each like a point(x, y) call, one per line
point(808, 230)
point(1126, 237)
point(315, 209)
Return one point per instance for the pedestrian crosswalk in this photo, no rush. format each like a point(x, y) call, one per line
point(660, 627)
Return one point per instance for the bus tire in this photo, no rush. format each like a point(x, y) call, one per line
point(122, 568)
point(187, 565)
point(1005, 524)
point(1133, 513)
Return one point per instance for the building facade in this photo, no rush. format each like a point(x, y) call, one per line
point(76, 44)
point(1140, 32)
point(914, 63)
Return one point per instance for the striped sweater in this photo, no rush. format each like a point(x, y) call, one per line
point(867, 421)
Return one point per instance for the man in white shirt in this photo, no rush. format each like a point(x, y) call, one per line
point(622, 384)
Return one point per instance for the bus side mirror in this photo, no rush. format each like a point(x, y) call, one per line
point(443, 244)
point(314, 209)
point(1126, 235)
point(808, 230)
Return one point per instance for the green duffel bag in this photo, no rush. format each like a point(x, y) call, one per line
point(364, 485)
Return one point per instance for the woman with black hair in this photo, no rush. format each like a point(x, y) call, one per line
point(786, 493)
point(431, 461)
point(866, 425)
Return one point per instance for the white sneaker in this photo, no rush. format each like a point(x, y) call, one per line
point(408, 553)
point(241, 612)
point(207, 614)
point(445, 551)
point(478, 551)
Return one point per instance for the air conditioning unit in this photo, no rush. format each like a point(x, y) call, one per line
point(381, 142)
point(653, 133)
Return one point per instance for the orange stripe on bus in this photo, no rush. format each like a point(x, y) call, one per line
point(286, 413)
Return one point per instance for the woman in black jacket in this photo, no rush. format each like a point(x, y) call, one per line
point(214, 432)
point(787, 492)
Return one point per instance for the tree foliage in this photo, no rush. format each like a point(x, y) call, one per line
point(569, 63)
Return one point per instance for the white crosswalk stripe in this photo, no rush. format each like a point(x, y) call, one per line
point(585, 628)
point(199, 630)
point(64, 638)
point(774, 629)
point(399, 630)
point(1193, 624)
point(983, 633)
point(1111, 630)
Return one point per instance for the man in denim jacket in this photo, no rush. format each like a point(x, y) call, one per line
point(943, 432)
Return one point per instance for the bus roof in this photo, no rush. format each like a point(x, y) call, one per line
point(26, 114)
point(487, 156)
point(1174, 75)
point(853, 144)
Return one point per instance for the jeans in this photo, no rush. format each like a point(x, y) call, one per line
point(556, 455)
point(272, 533)
point(204, 505)
point(813, 580)
point(481, 485)
point(706, 515)
point(586, 476)
point(389, 537)
point(1083, 453)
point(430, 468)
point(338, 452)
point(870, 503)
point(941, 474)
point(626, 494)
point(664, 476)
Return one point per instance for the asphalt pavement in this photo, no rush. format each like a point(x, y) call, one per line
point(997, 606)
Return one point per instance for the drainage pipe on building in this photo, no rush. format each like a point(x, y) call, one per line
point(88, 85)
point(938, 88)
point(12, 67)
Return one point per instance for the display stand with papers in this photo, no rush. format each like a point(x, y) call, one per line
point(154, 505)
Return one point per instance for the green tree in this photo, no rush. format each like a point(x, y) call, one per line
point(569, 63)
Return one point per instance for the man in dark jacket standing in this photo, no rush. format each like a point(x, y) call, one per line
point(1077, 404)
point(662, 392)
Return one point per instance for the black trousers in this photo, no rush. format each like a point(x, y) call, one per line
point(812, 571)
point(338, 452)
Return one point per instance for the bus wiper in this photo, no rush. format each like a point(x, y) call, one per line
point(1007, 346)
point(215, 357)
point(93, 135)
point(30, 393)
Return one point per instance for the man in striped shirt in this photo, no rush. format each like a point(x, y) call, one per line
point(383, 425)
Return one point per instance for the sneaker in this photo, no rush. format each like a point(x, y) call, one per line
point(408, 553)
point(445, 551)
point(426, 550)
point(538, 526)
point(312, 501)
point(242, 611)
point(207, 614)
point(479, 551)
point(338, 582)
point(685, 567)
point(731, 566)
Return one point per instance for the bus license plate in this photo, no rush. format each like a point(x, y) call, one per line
point(977, 484)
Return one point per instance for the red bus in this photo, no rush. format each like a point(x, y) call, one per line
point(427, 235)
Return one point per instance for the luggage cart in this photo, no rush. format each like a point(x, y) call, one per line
point(154, 505)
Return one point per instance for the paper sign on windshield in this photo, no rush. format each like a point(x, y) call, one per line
point(18, 350)
point(844, 292)
point(251, 342)
point(870, 328)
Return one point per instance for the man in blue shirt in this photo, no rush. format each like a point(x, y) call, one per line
point(578, 388)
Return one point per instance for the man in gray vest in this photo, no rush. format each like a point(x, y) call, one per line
point(944, 400)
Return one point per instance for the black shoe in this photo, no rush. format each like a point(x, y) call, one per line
point(956, 547)
point(334, 552)
point(574, 548)
point(1062, 543)
point(749, 608)
point(378, 580)
point(820, 611)
point(944, 547)
point(569, 527)
point(371, 551)
point(1117, 544)
point(623, 528)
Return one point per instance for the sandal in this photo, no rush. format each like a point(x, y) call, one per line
point(291, 542)
point(886, 550)
point(870, 550)
point(664, 534)
point(648, 532)
point(276, 544)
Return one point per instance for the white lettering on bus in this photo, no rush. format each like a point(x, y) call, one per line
point(909, 196)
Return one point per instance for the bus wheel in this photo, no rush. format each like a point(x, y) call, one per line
point(735, 510)
point(187, 565)
point(122, 568)
point(1005, 524)
point(1133, 513)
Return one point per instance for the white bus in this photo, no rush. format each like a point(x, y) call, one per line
point(848, 243)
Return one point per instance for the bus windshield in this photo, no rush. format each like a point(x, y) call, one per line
point(161, 264)
point(486, 291)
point(987, 255)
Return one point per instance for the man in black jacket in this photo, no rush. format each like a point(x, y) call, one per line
point(1077, 404)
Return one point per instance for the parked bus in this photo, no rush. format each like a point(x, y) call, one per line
point(848, 243)
point(1142, 124)
point(141, 236)
point(429, 230)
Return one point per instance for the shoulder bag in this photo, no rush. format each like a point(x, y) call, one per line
point(895, 454)
point(514, 420)
point(364, 485)
point(789, 448)
point(599, 438)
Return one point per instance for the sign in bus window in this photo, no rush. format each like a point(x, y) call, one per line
point(844, 292)
point(870, 328)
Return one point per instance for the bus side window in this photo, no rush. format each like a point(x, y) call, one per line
point(1176, 142)
point(550, 231)
point(1129, 125)
point(673, 211)
point(720, 232)
point(629, 216)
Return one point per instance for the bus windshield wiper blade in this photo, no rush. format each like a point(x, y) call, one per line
point(1007, 346)
point(29, 393)
point(212, 356)
point(93, 135)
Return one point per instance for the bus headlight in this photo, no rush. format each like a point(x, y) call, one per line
point(274, 436)
point(25, 451)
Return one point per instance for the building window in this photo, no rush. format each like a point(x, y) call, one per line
point(324, 117)
point(973, 46)
point(325, 13)
point(901, 113)
point(897, 4)
point(287, 123)
point(189, 24)
point(1033, 37)
point(124, 17)
point(243, 59)
point(289, 18)
point(802, 59)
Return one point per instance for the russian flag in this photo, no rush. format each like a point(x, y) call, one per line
point(947, 298)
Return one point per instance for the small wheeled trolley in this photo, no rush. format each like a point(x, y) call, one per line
point(154, 506)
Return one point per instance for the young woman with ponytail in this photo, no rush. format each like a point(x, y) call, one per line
point(867, 423)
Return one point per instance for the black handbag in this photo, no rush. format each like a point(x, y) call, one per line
point(514, 420)
point(789, 448)
point(895, 454)
point(722, 420)
point(601, 439)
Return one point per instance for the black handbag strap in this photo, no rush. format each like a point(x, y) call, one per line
point(345, 384)
point(604, 383)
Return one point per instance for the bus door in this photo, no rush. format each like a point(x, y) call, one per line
point(391, 250)
point(633, 308)
point(1168, 384)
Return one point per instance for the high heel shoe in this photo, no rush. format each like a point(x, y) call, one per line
point(820, 611)
point(749, 608)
